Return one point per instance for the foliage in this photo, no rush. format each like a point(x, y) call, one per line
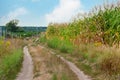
point(12, 26)
point(24, 34)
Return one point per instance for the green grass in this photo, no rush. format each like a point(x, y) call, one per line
point(54, 77)
point(42, 39)
point(64, 46)
point(10, 65)
point(53, 43)
point(62, 77)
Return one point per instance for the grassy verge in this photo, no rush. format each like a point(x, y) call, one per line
point(64, 46)
point(101, 63)
point(11, 56)
point(10, 65)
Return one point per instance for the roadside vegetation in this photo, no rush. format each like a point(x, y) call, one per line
point(11, 57)
point(11, 53)
point(91, 41)
point(12, 30)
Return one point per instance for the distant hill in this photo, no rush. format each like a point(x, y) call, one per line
point(37, 29)
point(26, 29)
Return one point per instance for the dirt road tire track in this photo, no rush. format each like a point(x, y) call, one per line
point(27, 69)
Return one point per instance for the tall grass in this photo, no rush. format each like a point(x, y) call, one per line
point(4, 47)
point(10, 58)
point(10, 65)
point(109, 62)
point(64, 46)
point(54, 43)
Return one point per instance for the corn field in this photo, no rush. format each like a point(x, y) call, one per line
point(101, 25)
point(94, 36)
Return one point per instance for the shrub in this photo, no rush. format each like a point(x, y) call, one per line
point(53, 43)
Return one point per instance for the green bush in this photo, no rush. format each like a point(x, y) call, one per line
point(66, 47)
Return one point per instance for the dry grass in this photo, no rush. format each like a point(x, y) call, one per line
point(100, 62)
point(9, 45)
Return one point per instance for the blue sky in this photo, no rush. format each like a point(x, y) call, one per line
point(42, 12)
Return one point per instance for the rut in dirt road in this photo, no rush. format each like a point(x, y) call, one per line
point(27, 69)
point(77, 71)
point(80, 74)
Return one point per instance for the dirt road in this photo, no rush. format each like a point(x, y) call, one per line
point(27, 69)
point(48, 66)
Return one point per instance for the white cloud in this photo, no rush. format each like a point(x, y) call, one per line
point(64, 11)
point(13, 15)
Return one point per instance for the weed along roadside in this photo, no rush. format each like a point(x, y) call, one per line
point(26, 72)
point(11, 57)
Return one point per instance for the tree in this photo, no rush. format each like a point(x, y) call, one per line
point(12, 25)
